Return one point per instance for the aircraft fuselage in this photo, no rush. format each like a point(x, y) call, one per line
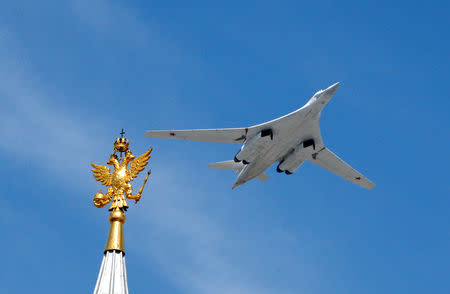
point(288, 140)
point(287, 135)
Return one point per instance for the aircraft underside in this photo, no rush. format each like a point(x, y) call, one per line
point(289, 155)
point(289, 140)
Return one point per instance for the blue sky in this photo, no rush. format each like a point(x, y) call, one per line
point(73, 73)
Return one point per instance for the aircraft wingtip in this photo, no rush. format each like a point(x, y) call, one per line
point(370, 185)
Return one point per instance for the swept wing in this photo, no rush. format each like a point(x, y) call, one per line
point(331, 162)
point(236, 135)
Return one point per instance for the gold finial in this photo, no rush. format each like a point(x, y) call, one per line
point(115, 237)
point(119, 187)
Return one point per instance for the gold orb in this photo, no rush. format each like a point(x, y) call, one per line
point(99, 199)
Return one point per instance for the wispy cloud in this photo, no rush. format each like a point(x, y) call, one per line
point(32, 127)
point(204, 262)
point(197, 250)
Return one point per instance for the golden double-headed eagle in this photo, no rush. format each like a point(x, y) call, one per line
point(119, 180)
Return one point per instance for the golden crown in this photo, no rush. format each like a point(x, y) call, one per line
point(121, 144)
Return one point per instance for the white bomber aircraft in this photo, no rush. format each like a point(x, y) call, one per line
point(289, 140)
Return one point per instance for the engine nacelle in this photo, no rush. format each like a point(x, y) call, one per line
point(291, 163)
point(295, 159)
point(252, 147)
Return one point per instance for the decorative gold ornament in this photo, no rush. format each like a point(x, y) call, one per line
point(118, 181)
point(121, 144)
point(115, 237)
point(119, 187)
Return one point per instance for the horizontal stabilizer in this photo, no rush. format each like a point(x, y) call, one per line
point(229, 165)
point(331, 162)
point(237, 166)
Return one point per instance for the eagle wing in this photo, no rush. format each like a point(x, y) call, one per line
point(102, 174)
point(138, 165)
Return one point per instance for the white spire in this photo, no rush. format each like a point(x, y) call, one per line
point(112, 278)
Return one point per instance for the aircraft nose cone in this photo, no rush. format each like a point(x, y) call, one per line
point(332, 89)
